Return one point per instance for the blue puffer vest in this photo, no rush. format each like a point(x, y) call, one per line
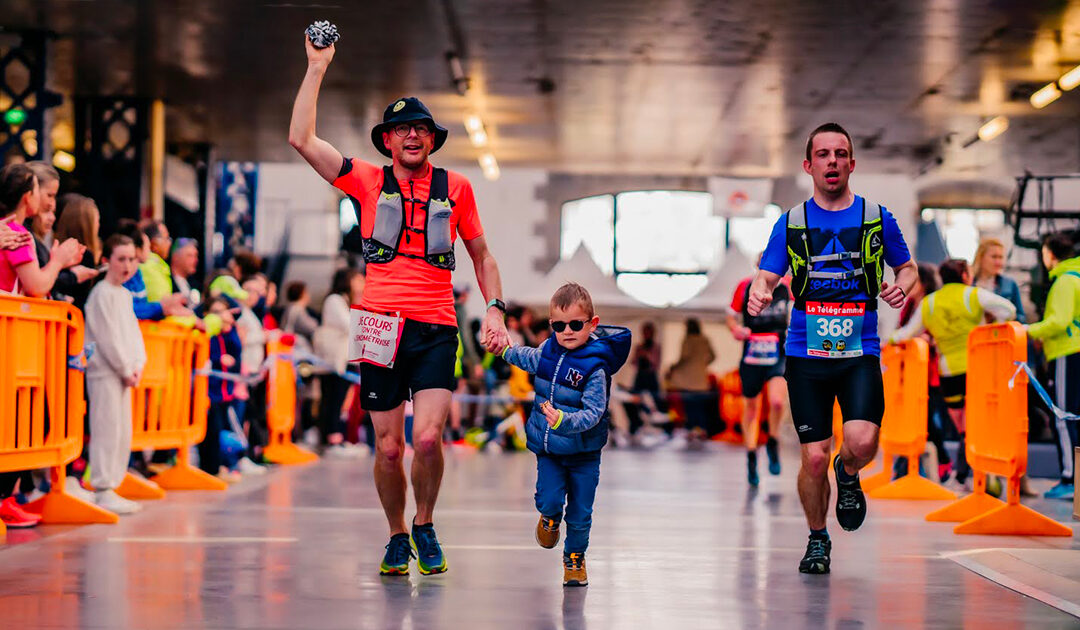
point(561, 378)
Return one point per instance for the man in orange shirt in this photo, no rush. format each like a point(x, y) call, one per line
point(410, 214)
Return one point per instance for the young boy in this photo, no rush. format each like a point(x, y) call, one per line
point(113, 369)
point(569, 422)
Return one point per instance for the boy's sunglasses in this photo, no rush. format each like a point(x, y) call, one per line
point(575, 325)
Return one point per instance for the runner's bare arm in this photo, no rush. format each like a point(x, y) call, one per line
point(761, 291)
point(895, 294)
point(493, 332)
point(320, 154)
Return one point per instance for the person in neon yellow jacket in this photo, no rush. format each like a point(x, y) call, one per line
point(157, 275)
point(949, 315)
point(1059, 333)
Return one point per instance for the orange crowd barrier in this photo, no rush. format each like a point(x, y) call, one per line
point(997, 426)
point(42, 403)
point(732, 406)
point(169, 409)
point(281, 407)
point(903, 429)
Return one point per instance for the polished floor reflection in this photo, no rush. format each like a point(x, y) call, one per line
point(678, 542)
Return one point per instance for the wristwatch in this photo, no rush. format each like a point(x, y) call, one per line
point(497, 303)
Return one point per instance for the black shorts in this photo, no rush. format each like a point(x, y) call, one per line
point(954, 390)
point(814, 385)
point(425, 360)
point(754, 377)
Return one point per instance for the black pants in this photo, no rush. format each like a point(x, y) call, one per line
point(210, 447)
point(255, 416)
point(334, 391)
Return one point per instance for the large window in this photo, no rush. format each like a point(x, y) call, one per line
point(963, 228)
point(751, 234)
point(589, 223)
point(659, 244)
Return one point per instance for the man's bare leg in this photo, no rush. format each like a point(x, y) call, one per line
point(814, 482)
point(430, 409)
point(389, 467)
point(860, 445)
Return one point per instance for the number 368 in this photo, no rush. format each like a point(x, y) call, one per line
point(835, 327)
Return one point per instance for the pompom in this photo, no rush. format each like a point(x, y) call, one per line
point(322, 34)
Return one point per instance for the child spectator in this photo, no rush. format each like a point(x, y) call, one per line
point(169, 305)
point(569, 423)
point(20, 272)
point(225, 349)
point(113, 369)
point(80, 220)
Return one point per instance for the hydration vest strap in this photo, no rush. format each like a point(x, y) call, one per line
point(837, 256)
point(797, 216)
point(837, 275)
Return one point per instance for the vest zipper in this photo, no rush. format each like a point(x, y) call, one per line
point(551, 397)
point(412, 212)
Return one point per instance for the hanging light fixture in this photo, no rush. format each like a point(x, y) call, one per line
point(1046, 95)
point(477, 133)
point(1070, 79)
point(489, 166)
point(993, 128)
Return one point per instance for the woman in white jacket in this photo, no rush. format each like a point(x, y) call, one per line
point(113, 369)
point(331, 342)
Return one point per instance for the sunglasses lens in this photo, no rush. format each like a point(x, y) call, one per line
point(577, 325)
point(558, 326)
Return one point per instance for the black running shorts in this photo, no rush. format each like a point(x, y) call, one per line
point(814, 385)
point(425, 360)
point(954, 390)
point(754, 377)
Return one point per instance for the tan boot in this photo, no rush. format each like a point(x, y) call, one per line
point(574, 570)
point(547, 532)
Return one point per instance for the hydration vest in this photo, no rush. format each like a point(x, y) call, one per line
point(773, 318)
point(382, 246)
point(868, 259)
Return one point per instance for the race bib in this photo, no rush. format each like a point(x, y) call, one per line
point(834, 329)
point(762, 349)
point(374, 337)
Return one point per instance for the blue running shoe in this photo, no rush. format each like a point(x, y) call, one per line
point(1060, 491)
point(429, 555)
point(772, 449)
point(398, 554)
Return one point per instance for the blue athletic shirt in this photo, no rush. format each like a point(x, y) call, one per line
point(828, 224)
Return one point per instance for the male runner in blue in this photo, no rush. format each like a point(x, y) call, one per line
point(836, 245)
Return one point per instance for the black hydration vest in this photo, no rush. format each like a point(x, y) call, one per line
point(382, 246)
point(773, 318)
point(869, 255)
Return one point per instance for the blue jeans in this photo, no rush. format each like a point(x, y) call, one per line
point(569, 480)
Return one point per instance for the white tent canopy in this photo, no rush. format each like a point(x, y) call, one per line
point(716, 296)
point(579, 268)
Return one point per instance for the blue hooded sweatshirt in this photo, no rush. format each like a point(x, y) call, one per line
point(578, 383)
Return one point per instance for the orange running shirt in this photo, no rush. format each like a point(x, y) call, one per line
point(410, 286)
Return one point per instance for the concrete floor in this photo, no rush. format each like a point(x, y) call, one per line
point(678, 542)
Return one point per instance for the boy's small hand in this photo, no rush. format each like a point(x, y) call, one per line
point(551, 414)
